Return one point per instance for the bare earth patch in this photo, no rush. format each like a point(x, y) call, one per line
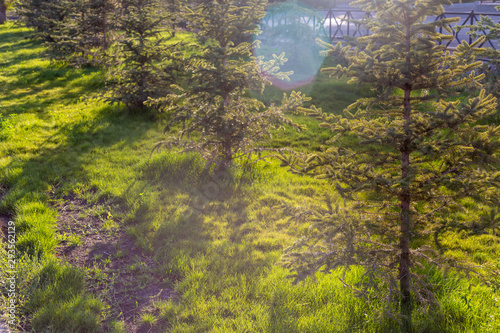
point(4, 220)
point(119, 272)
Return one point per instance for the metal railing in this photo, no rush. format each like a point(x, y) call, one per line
point(461, 30)
point(336, 24)
point(340, 23)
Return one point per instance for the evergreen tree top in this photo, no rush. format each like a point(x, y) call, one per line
point(227, 21)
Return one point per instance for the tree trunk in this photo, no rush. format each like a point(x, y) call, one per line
point(405, 201)
point(3, 12)
point(404, 267)
point(405, 227)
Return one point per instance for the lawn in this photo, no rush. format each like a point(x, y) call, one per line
point(114, 238)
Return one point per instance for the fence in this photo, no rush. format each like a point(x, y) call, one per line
point(336, 24)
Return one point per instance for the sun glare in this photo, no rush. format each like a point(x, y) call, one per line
point(293, 29)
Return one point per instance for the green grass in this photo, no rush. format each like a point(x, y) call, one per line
point(215, 240)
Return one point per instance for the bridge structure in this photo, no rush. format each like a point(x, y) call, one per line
point(338, 23)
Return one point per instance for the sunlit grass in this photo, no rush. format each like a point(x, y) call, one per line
point(215, 241)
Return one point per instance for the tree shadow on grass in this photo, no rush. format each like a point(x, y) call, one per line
point(61, 157)
point(14, 39)
point(121, 273)
point(32, 86)
point(36, 88)
point(57, 165)
point(7, 36)
point(6, 49)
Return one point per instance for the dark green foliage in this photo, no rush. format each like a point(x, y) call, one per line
point(420, 153)
point(174, 10)
point(218, 119)
point(486, 27)
point(84, 34)
point(227, 20)
point(77, 30)
point(142, 65)
point(42, 15)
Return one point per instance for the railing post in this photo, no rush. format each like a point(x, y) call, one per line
point(438, 18)
point(330, 24)
point(471, 23)
point(440, 28)
point(348, 15)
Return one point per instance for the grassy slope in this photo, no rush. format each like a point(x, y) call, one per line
point(217, 245)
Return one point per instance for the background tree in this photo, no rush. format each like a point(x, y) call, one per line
point(83, 35)
point(219, 120)
point(420, 151)
point(142, 66)
point(42, 15)
point(491, 30)
point(3, 11)
point(174, 9)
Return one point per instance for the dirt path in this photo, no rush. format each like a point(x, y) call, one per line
point(119, 272)
point(4, 220)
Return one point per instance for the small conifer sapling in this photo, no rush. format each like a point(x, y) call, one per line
point(420, 152)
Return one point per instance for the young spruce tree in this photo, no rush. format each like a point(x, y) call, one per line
point(421, 151)
point(174, 8)
point(83, 36)
point(219, 120)
point(42, 15)
point(487, 27)
point(142, 65)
